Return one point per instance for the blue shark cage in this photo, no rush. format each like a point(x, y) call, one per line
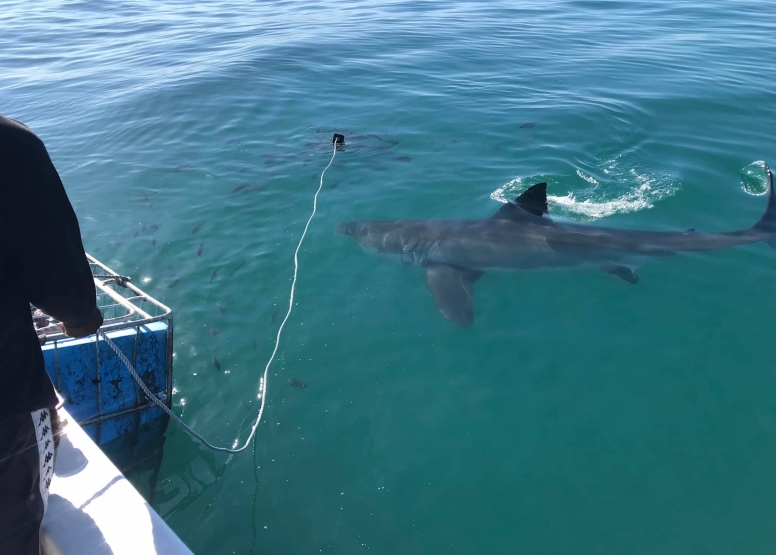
point(97, 388)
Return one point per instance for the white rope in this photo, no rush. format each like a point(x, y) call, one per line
point(263, 382)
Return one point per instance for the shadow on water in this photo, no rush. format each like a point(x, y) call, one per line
point(190, 486)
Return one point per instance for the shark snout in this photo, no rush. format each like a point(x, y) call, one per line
point(344, 228)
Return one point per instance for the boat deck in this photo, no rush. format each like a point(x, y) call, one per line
point(94, 510)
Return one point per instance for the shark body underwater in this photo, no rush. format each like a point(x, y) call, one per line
point(520, 236)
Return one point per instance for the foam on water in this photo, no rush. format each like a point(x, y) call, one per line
point(589, 178)
point(753, 179)
point(625, 189)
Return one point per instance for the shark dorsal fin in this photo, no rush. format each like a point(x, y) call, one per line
point(508, 211)
point(533, 202)
point(534, 199)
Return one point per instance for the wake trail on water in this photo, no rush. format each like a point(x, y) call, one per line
point(622, 188)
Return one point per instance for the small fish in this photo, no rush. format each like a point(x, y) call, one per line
point(200, 249)
point(182, 168)
point(214, 332)
point(116, 243)
point(528, 125)
point(142, 227)
point(154, 227)
point(197, 228)
point(213, 275)
point(243, 170)
point(174, 282)
point(215, 360)
point(274, 317)
point(240, 265)
point(135, 235)
point(402, 159)
point(145, 197)
point(221, 305)
point(255, 343)
point(153, 241)
point(293, 382)
point(335, 184)
point(247, 188)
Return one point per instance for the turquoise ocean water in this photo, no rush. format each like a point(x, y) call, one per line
point(580, 415)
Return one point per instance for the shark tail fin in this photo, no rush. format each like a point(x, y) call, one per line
point(767, 223)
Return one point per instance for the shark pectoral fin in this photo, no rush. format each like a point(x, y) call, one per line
point(453, 292)
point(622, 272)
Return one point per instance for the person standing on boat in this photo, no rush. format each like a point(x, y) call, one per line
point(42, 262)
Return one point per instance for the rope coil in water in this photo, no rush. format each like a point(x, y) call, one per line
point(263, 383)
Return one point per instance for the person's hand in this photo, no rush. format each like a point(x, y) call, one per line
point(91, 325)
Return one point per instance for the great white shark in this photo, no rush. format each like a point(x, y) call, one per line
point(520, 236)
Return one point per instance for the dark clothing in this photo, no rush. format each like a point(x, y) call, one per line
point(27, 454)
point(42, 261)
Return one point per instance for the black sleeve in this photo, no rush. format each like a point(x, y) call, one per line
point(45, 239)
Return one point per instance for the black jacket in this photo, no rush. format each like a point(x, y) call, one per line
point(42, 261)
